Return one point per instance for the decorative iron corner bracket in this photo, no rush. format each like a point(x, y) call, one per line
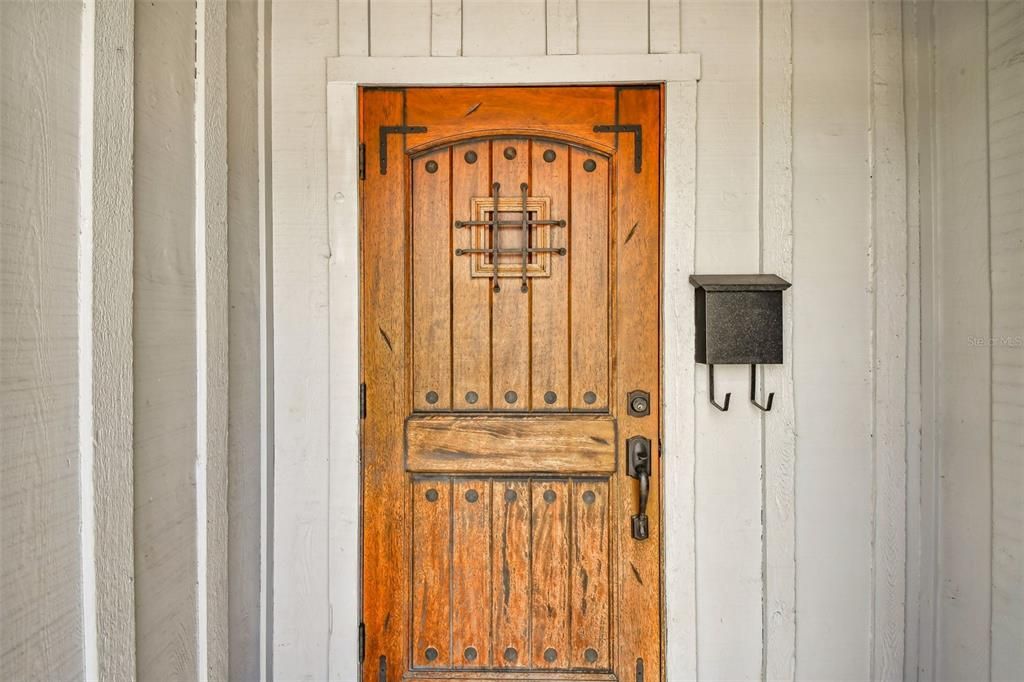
point(388, 130)
point(638, 140)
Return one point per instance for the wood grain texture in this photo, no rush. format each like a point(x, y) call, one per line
point(889, 271)
point(549, 296)
point(431, 573)
point(41, 584)
point(549, 575)
point(1006, 203)
point(431, 282)
point(384, 365)
point(511, 444)
point(510, 307)
point(636, 230)
point(590, 570)
point(472, 576)
point(589, 289)
point(165, 336)
point(779, 441)
point(510, 562)
point(471, 296)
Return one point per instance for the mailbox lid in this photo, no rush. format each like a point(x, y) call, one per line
point(739, 282)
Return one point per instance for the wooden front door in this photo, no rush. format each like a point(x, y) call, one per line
point(510, 354)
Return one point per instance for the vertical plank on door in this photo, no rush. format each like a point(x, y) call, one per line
point(471, 573)
point(399, 28)
point(549, 296)
point(550, 575)
point(510, 321)
point(383, 344)
point(561, 26)
point(431, 281)
point(431, 572)
point(445, 28)
point(510, 544)
point(589, 580)
point(613, 27)
point(637, 231)
point(588, 262)
point(471, 296)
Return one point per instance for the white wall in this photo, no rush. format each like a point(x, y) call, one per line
point(116, 342)
point(972, 206)
point(800, 106)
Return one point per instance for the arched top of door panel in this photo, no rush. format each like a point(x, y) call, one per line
point(537, 137)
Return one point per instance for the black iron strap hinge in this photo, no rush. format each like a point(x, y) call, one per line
point(382, 670)
point(362, 401)
point(388, 130)
point(638, 140)
point(639, 670)
point(362, 642)
point(362, 160)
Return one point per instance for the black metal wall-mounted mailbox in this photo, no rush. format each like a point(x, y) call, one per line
point(738, 322)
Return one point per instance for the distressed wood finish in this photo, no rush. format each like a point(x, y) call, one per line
point(495, 541)
point(511, 444)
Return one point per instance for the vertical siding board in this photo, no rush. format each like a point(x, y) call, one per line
point(399, 28)
point(1006, 203)
point(613, 26)
point(165, 339)
point(446, 28)
point(507, 28)
point(113, 128)
point(889, 274)
point(562, 26)
point(41, 593)
point(665, 28)
point(354, 28)
point(964, 358)
point(779, 428)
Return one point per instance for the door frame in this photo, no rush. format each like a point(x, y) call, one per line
point(679, 73)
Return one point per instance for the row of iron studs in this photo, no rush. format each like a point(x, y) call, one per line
point(510, 153)
point(511, 397)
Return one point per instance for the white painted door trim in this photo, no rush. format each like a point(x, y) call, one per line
point(680, 73)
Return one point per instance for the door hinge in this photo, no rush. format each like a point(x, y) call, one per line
point(362, 642)
point(639, 670)
point(362, 401)
point(382, 670)
point(362, 160)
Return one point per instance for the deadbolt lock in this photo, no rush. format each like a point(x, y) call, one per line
point(638, 403)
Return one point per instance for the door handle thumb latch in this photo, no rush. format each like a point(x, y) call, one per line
point(638, 466)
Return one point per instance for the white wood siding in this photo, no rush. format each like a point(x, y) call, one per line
point(784, 159)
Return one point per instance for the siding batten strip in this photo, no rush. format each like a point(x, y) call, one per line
point(445, 28)
point(354, 28)
point(665, 27)
point(888, 253)
point(778, 440)
point(561, 26)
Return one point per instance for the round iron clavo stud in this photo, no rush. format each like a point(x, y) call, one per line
point(511, 654)
point(431, 495)
point(549, 155)
point(470, 156)
point(549, 496)
point(431, 397)
point(511, 495)
point(472, 397)
point(431, 166)
point(470, 653)
point(590, 397)
point(590, 165)
point(590, 655)
point(550, 397)
point(589, 497)
point(430, 654)
point(550, 655)
point(510, 153)
point(511, 397)
point(472, 496)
